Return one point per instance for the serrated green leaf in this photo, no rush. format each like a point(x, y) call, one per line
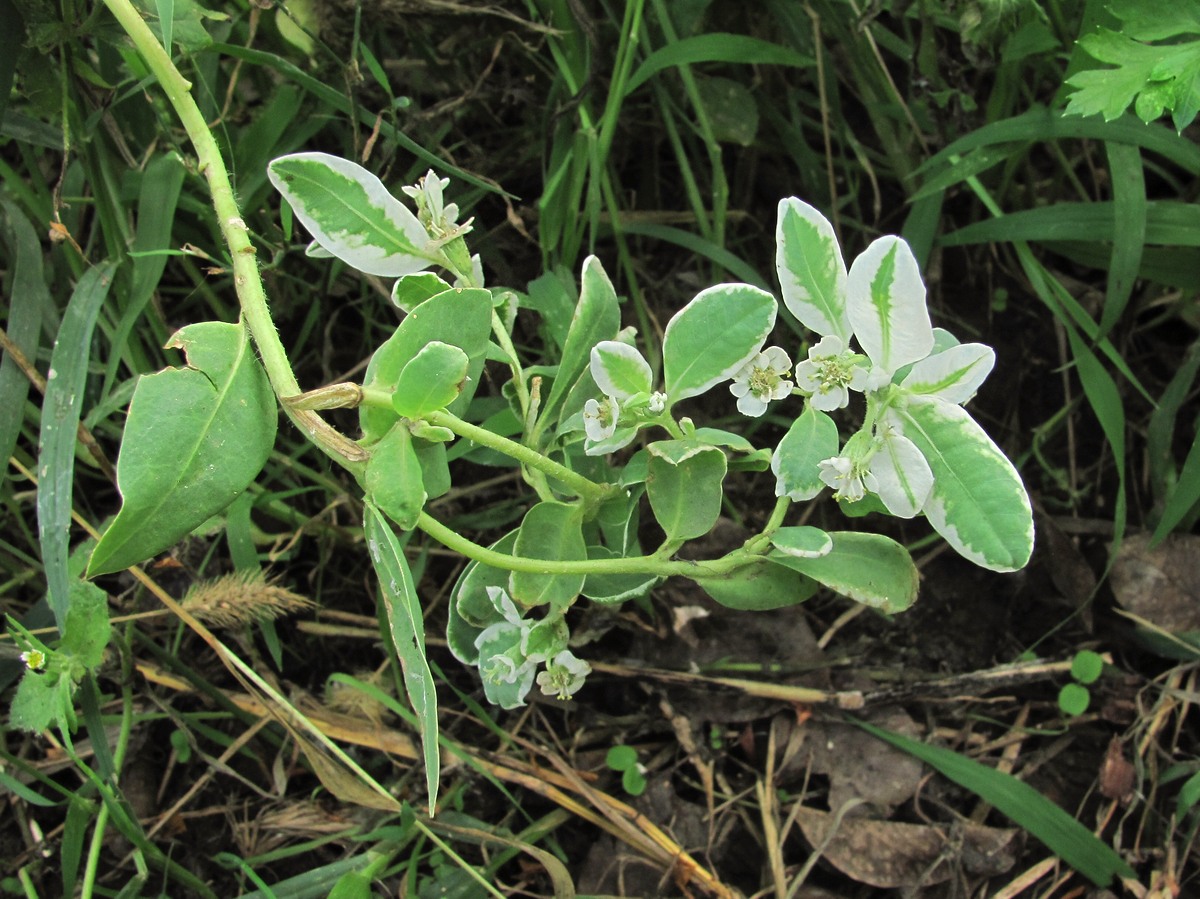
point(194, 439)
point(431, 380)
point(812, 273)
point(351, 214)
point(60, 422)
point(868, 568)
point(552, 531)
point(407, 627)
point(693, 360)
point(978, 504)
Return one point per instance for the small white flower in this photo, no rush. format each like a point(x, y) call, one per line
point(761, 380)
point(600, 418)
point(34, 659)
point(658, 402)
point(563, 675)
point(830, 373)
point(850, 480)
point(438, 216)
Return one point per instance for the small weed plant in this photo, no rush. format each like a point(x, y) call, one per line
point(602, 439)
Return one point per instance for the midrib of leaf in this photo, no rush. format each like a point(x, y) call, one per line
point(792, 224)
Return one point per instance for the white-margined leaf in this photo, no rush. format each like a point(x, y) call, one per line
point(812, 273)
point(351, 214)
point(886, 304)
point(952, 375)
point(620, 370)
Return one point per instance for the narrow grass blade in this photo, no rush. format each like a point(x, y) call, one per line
point(716, 47)
point(694, 243)
point(1129, 219)
point(1062, 834)
point(24, 324)
point(407, 627)
point(60, 420)
point(1168, 223)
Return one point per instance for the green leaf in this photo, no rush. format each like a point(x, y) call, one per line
point(431, 380)
point(978, 504)
point(407, 627)
point(87, 626)
point(1087, 666)
point(460, 318)
point(194, 439)
point(621, 758)
point(812, 273)
point(394, 479)
point(685, 487)
point(812, 437)
point(40, 702)
point(1062, 834)
point(1074, 699)
point(60, 422)
point(713, 336)
point(759, 587)
point(715, 47)
point(615, 588)
point(952, 375)
point(471, 611)
point(804, 542)
point(552, 531)
point(619, 370)
point(28, 298)
point(351, 214)
point(885, 299)
point(730, 108)
point(410, 291)
point(868, 568)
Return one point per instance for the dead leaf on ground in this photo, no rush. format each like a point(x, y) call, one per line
point(893, 854)
point(1161, 585)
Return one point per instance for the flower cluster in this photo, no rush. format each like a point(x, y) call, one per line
point(438, 216)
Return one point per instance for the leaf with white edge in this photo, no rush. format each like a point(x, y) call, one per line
point(903, 477)
point(615, 588)
point(685, 487)
point(620, 370)
point(803, 542)
point(812, 273)
point(351, 214)
point(431, 380)
point(760, 587)
point(194, 439)
point(868, 568)
point(952, 375)
point(394, 480)
point(410, 291)
point(551, 531)
point(978, 503)
point(812, 438)
point(406, 623)
point(713, 336)
point(886, 304)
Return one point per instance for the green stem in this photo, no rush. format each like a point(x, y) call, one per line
point(655, 564)
point(246, 278)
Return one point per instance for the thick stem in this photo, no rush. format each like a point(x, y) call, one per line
point(246, 278)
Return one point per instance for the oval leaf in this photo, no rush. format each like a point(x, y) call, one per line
point(804, 542)
point(759, 587)
point(431, 380)
point(713, 336)
point(811, 438)
point(394, 480)
point(351, 213)
point(194, 439)
point(620, 370)
point(551, 531)
point(903, 477)
point(978, 504)
point(459, 317)
point(812, 273)
point(685, 488)
point(952, 375)
point(886, 304)
point(869, 568)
